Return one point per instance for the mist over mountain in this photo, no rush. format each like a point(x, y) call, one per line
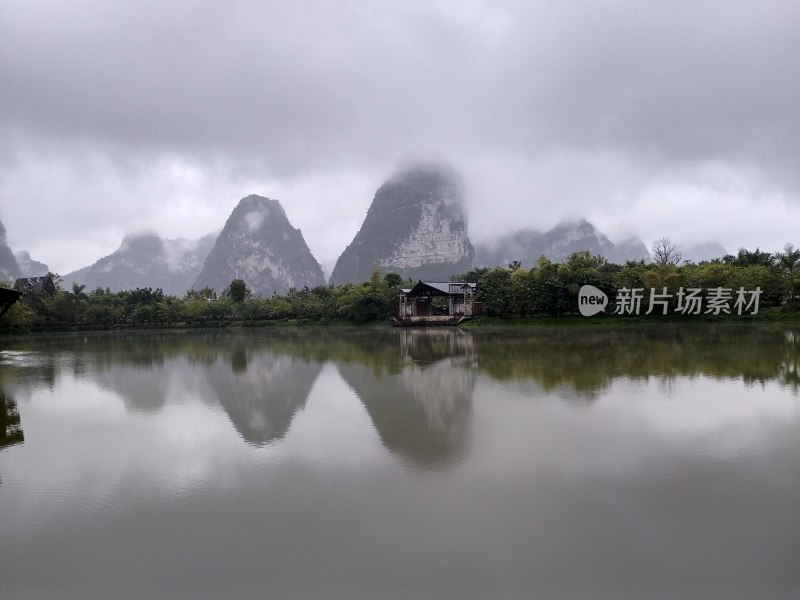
point(260, 246)
point(632, 248)
point(699, 252)
point(415, 226)
point(29, 267)
point(146, 260)
point(9, 269)
point(527, 245)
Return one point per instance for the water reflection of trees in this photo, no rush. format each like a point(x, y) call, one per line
point(416, 385)
point(10, 423)
point(588, 359)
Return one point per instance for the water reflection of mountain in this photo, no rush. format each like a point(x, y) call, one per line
point(142, 389)
point(416, 385)
point(261, 392)
point(258, 389)
point(261, 381)
point(10, 425)
point(423, 411)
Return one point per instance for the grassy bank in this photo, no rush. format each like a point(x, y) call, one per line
point(768, 315)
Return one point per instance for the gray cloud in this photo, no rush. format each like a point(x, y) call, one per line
point(675, 119)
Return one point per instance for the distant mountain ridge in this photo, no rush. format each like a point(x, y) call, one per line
point(146, 260)
point(527, 245)
point(260, 246)
point(416, 226)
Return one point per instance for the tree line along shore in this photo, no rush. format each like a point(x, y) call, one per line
point(547, 292)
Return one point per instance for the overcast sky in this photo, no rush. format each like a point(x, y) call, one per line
point(653, 118)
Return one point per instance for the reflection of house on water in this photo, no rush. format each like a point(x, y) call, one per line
point(262, 392)
point(10, 425)
point(423, 413)
point(431, 345)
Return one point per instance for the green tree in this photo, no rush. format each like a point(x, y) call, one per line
point(393, 280)
point(279, 307)
point(79, 298)
point(472, 276)
point(237, 290)
point(255, 309)
point(104, 307)
point(523, 291)
point(631, 275)
point(19, 318)
point(62, 307)
point(494, 292)
point(144, 313)
point(169, 309)
point(746, 258)
point(207, 293)
point(661, 276)
point(768, 278)
point(77, 293)
point(549, 289)
point(582, 260)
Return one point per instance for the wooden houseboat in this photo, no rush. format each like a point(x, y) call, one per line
point(436, 303)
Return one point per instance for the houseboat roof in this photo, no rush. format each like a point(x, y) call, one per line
point(36, 285)
point(439, 288)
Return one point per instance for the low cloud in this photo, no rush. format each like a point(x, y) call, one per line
point(678, 119)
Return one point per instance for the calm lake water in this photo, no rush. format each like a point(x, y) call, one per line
point(585, 463)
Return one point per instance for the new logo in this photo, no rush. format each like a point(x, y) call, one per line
point(591, 300)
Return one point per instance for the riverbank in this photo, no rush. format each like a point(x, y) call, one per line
point(769, 315)
point(192, 326)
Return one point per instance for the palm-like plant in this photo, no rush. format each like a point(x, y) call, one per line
point(789, 262)
point(78, 296)
point(77, 293)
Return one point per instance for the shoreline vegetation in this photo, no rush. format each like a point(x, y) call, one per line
point(480, 323)
point(512, 297)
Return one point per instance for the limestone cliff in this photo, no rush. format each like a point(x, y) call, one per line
point(416, 226)
point(259, 245)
